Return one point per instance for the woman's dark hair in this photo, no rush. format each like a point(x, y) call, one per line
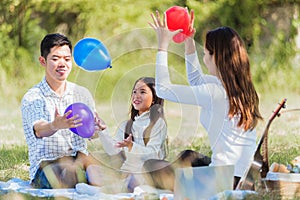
point(156, 110)
point(232, 62)
point(195, 158)
point(51, 40)
point(158, 170)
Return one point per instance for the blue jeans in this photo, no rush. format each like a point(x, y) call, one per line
point(59, 173)
point(40, 180)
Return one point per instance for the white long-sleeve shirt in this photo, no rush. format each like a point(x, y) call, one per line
point(229, 143)
point(155, 148)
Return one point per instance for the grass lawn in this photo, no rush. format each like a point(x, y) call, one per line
point(184, 132)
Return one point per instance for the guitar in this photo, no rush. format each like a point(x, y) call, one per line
point(260, 164)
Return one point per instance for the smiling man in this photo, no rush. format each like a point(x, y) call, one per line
point(58, 158)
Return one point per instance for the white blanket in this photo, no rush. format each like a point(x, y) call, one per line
point(82, 191)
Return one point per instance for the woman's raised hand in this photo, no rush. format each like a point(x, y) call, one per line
point(189, 42)
point(192, 30)
point(164, 35)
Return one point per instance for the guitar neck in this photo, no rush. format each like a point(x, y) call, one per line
point(260, 164)
point(264, 141)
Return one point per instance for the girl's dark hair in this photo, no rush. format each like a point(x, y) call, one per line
point(156, 110)
point(51, 40)
point(232, 62)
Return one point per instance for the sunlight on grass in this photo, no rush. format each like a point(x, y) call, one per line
point(184, 131)
point(11, 129)
point(14, 162)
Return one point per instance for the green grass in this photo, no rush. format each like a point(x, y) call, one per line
point(184, 132)
point(14, 162)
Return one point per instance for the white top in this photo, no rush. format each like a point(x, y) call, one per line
point(229, 144)
point(155, 148)
point(38, 104)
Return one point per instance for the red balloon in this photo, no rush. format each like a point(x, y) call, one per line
point(88, 126)
point(179, 18)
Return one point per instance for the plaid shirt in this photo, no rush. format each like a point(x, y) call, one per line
point(38, 104)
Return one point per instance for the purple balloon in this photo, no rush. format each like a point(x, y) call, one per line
point(84, 112)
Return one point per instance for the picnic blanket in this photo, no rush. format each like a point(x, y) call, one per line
point(84, 191)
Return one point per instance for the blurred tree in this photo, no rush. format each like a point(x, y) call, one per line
point(267, 26)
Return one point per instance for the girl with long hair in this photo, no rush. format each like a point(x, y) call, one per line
point(143, 136)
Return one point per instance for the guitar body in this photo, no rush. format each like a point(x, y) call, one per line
point(260, 165)
point(253, 174)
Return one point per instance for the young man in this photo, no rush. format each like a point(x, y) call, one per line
point(58, 157)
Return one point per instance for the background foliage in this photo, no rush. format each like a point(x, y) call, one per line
point(269, 27)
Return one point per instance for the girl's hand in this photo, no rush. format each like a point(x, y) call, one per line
point(164, 35)
point(127, 142)
point(99, 126)
point(99, 123)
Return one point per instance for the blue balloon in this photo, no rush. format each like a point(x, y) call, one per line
point(91, 55)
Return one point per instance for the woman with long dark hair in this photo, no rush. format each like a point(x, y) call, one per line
point(227, 97)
